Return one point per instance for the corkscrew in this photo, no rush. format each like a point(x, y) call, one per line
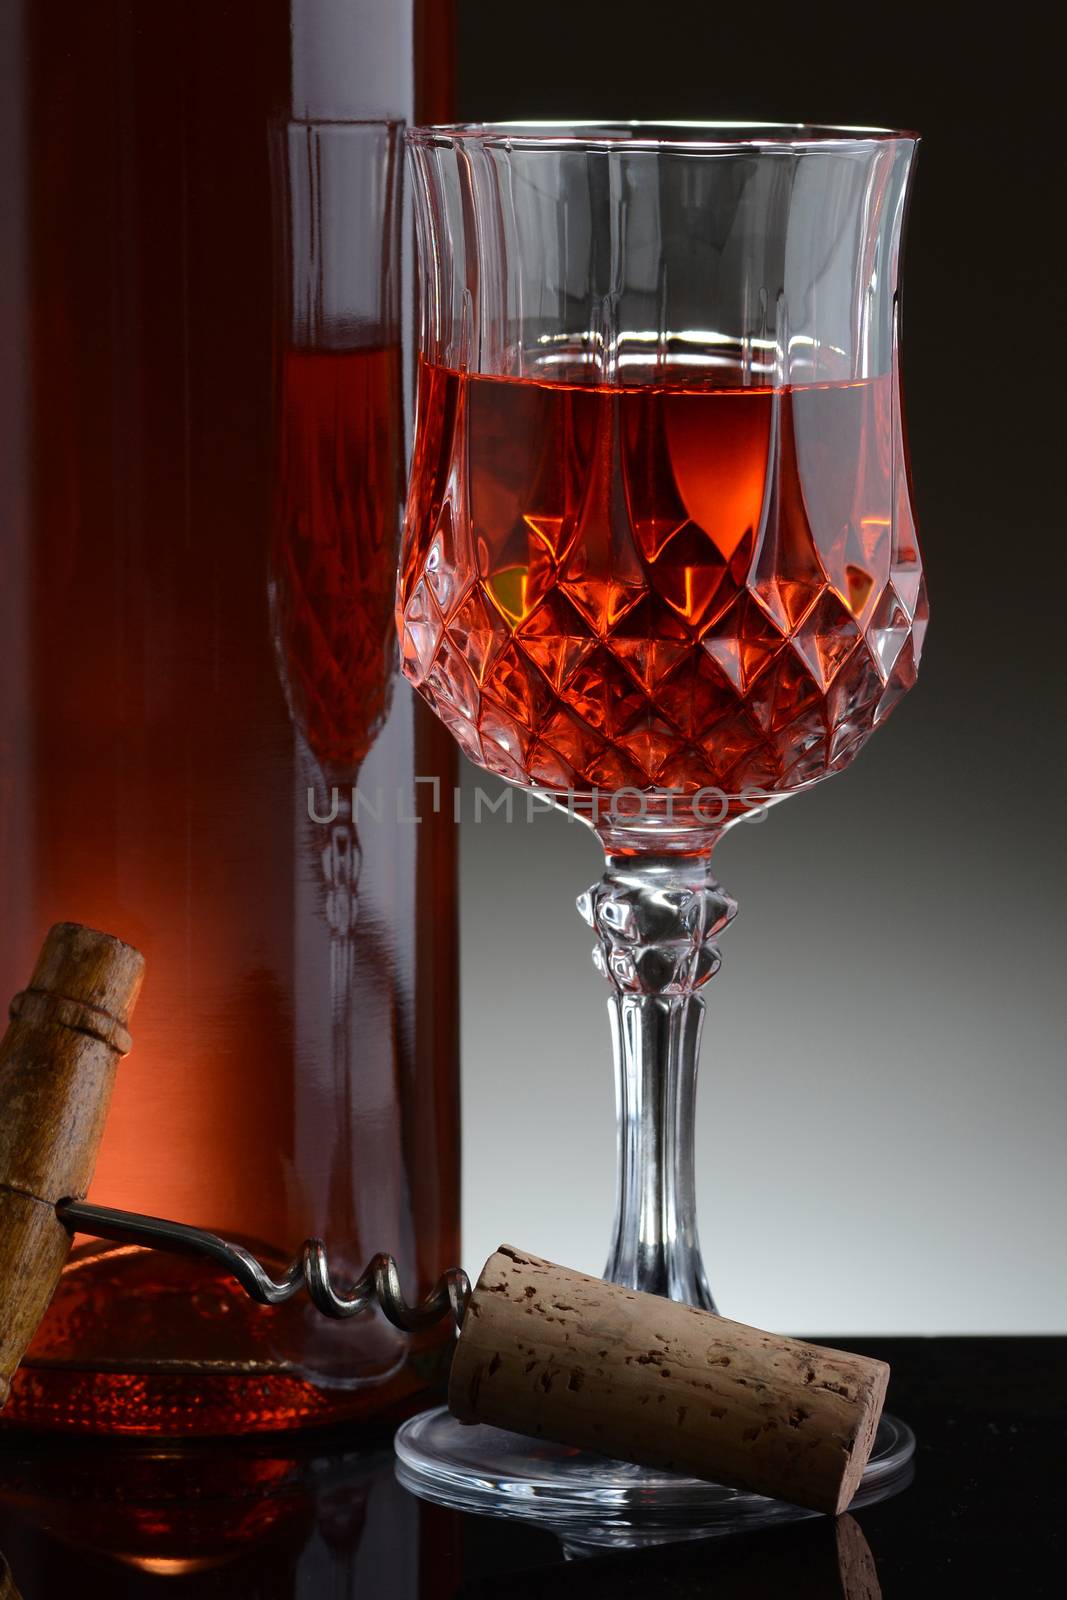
point(378, 1284)
point(540, 1349)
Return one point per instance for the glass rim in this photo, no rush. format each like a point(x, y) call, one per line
point(667, 137)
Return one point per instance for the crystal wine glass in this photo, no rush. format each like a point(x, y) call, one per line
point(660, 562)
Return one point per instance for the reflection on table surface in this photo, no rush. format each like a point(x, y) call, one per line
point(259, 1521)
point(823, 1559)
point(304, 1519)
point(317, 1519)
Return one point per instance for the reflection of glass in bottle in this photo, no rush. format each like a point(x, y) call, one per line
point(333, 554)
point(334, 545)
point(151, 779)
point(339, 430)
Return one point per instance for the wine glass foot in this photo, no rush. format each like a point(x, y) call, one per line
point(594, 1503)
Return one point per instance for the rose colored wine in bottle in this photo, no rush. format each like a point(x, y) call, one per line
point(205, 747)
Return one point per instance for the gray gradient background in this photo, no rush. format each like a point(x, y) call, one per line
point(883, 1117)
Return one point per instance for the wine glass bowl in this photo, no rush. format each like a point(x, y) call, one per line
point(659, 561)
point(606, 620)
point(644, 554)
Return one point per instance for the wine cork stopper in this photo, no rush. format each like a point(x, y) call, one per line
point(57, 1069)
point(552, 1353)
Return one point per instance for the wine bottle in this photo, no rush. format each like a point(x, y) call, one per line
point(197, 659)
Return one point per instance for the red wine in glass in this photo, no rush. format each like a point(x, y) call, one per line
point(670, 585)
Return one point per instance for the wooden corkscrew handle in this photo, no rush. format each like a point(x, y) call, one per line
point(57, 1069)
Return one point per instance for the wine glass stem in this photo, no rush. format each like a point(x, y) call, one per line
point(656, 1043)
point(656, 918)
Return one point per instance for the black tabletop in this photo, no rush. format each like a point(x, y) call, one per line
point(323, 1517)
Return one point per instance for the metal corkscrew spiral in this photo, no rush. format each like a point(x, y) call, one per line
point(379, 1283)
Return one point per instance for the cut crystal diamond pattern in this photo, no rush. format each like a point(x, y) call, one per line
point(825, 637)
point(743, 642)
point(657, 938)
point(640, 626)
point(474, 636)
point(889, 628)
